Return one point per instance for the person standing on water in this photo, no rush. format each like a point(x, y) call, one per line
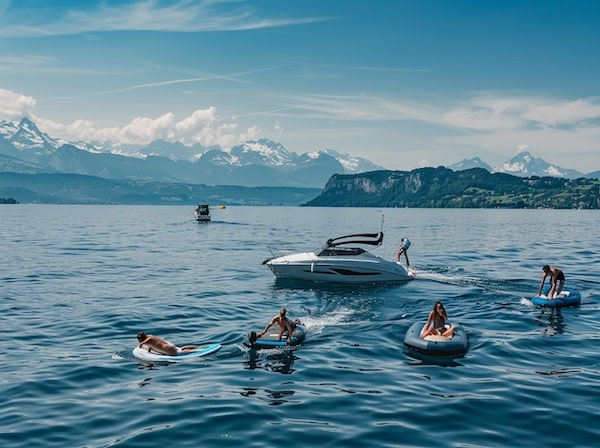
point(404, 245)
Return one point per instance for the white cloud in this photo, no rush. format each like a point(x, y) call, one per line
point(203, 126)
point(142, 15)
point(556, 113)
point(566, 132)
point(491, 113)
point(145, 130)
point(14, 105)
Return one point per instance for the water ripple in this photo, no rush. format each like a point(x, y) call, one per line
point(78, 286)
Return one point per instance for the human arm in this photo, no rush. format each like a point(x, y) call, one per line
point(428, 325)
point(542, 284)
point(269, 325)
point(145, 341)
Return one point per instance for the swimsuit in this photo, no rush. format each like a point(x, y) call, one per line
point(439, 324)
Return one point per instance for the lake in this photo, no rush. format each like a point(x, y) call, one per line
point(78, 282)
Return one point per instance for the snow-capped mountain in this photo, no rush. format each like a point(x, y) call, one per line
point(466, 164)
point(262, 152)
point(24, 148)
point(353, 164)
point(524, 164)
point(25, 137)
point(261, 162)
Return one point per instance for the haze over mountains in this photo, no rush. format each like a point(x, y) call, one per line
point(27, 150)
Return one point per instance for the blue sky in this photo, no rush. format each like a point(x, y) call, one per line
point(402, 83)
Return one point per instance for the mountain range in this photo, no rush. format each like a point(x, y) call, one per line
point(523, 165)
point(25, 149)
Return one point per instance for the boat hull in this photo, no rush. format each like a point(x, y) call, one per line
point(364, 269)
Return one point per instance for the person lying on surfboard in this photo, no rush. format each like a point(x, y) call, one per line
point(284, 325)
point(159, 345)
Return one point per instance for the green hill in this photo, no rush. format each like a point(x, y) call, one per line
point(443, 188)
point(82, 189)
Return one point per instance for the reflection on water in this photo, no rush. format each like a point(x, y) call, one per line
point(420, 359)
point(109, 271)
point(552, 320)
point(277, 360)
point(272, 397)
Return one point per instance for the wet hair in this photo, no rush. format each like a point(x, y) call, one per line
point(141, 336)
point(546, 268)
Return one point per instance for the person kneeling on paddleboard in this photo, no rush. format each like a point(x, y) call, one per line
point(557, 281)
point(284, 325)
point(159, 345)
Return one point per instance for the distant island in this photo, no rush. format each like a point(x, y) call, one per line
point(444, 188)
point(8, 201)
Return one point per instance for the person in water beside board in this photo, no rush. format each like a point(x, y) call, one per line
point(403, 249)
point(159, 345)
point(436, 323)
point(557, 281)
point(284, 323)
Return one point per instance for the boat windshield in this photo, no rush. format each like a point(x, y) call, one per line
point(340, 251)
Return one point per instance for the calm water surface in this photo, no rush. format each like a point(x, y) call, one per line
point(78, 283)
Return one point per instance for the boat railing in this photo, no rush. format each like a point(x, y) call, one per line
point(374, 239)
point(275, 252)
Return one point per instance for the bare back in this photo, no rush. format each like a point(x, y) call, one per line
point(160, 345)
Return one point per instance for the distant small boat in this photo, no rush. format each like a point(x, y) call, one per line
point(202, 213)
point(221, 206)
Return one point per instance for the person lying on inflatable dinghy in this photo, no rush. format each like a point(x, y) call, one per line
point(436, 323)
point(159, 345)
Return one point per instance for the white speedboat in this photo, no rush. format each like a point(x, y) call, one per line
point(341, 260)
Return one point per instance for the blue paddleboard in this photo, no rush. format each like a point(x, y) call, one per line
point(567, 297)
point(202, 350)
